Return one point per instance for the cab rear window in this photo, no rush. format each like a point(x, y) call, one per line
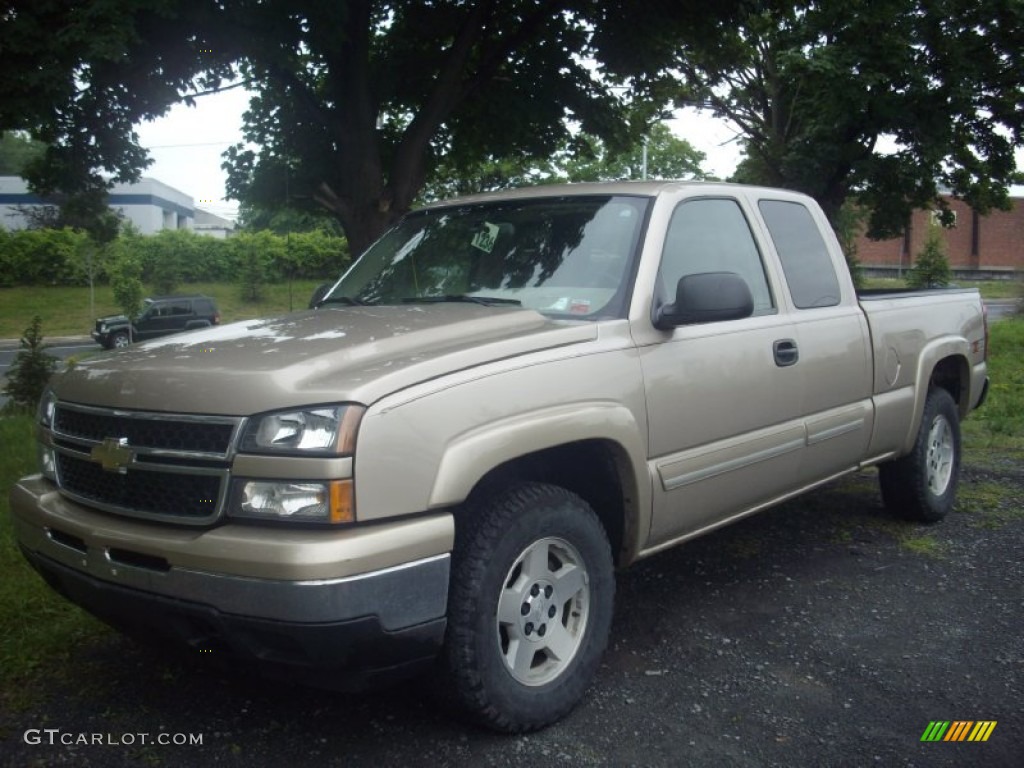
point(805, 259)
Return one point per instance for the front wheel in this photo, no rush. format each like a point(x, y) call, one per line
point(922, 485)
point(530, 606)
point(119, 341)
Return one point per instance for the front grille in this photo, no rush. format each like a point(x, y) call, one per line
point(170, 467)
point(161, 432)
point(186, 496)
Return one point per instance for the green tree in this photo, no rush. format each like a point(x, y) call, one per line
point(581, 157)
point(126, 284)
point(286, 219)
point(16, 151)
point(256, 254)
point(355, 102)
point(667, 157)
point(79, 76)
point(931, 268)
point(30, 371)
point(821, 91)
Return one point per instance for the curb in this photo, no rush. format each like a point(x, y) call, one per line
point(49, 341)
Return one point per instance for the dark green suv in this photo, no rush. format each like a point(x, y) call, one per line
point(160, 316)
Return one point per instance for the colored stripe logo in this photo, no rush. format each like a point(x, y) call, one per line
point(958, 730)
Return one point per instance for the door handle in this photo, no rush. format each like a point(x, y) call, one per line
point(786, 352)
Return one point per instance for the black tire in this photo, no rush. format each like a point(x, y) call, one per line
point(119, 341)
point(921, 486)
point(532, 571)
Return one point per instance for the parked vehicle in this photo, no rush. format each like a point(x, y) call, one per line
point(503, 400)
point(160, 316)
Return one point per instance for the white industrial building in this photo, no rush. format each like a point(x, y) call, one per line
point(150, 205)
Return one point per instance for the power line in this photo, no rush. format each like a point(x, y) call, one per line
point(198, 144)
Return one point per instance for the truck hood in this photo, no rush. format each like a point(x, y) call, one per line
point(338, 354)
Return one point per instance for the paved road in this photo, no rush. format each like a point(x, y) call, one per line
point(1001, 308)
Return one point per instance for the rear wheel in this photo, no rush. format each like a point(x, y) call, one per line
point(530, 606)
point(922, 485)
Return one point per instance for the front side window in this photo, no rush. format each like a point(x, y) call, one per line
point(563, 256)
point(712, 235)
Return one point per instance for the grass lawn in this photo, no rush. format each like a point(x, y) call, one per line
point(66, 310)
point(990, 289)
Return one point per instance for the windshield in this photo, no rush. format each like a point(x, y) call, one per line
point(567, 256)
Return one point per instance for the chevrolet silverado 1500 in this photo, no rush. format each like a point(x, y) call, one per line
point(504, 399)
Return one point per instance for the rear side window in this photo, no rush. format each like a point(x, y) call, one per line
point(802, 251)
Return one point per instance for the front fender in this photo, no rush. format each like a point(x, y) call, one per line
point(472, 455)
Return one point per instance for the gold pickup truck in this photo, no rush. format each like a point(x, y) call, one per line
point(506, 398)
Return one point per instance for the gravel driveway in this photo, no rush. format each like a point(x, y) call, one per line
point(817, 634)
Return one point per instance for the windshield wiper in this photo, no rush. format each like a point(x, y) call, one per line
point(487, 301)
point(343, 300)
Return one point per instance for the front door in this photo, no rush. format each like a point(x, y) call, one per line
point(724, 398)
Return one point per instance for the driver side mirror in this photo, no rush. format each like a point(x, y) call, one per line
point(318, 294)
point(704, 298)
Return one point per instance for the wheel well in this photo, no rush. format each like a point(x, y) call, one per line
point(951, 374)
point(596, 470)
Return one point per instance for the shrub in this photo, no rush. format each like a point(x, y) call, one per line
point(126, 283)
point(257, 254)
point(31, 369)
point(931, 270)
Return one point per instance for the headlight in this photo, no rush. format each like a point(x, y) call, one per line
point(323, 430)
point(44, 450)
point(316, 502)
point(47, 407)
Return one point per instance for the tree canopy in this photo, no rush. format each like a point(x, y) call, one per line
point(887, 101)
point(17, 151)
point(581, 157)
point(358, 103)
point(355, 102)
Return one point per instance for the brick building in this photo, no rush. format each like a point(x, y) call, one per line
point(991, 245)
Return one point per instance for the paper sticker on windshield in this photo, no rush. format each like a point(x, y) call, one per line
point(486, 237)
point(579, 307)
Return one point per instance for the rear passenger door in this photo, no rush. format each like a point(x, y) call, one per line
point(724, 399)
point(832, 336)
point(164, 318)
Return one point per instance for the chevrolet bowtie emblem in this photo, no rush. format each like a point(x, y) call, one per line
point(113, 454)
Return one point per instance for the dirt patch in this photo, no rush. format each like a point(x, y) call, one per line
point(814, 634)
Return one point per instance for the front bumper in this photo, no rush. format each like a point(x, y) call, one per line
point(340, 630)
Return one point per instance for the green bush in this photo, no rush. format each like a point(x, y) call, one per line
point(31, 369)
point(931, 270)
point(257, 254)
point(42, 257)
point(169, 258)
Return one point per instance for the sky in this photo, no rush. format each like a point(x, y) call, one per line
point(187, 143)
